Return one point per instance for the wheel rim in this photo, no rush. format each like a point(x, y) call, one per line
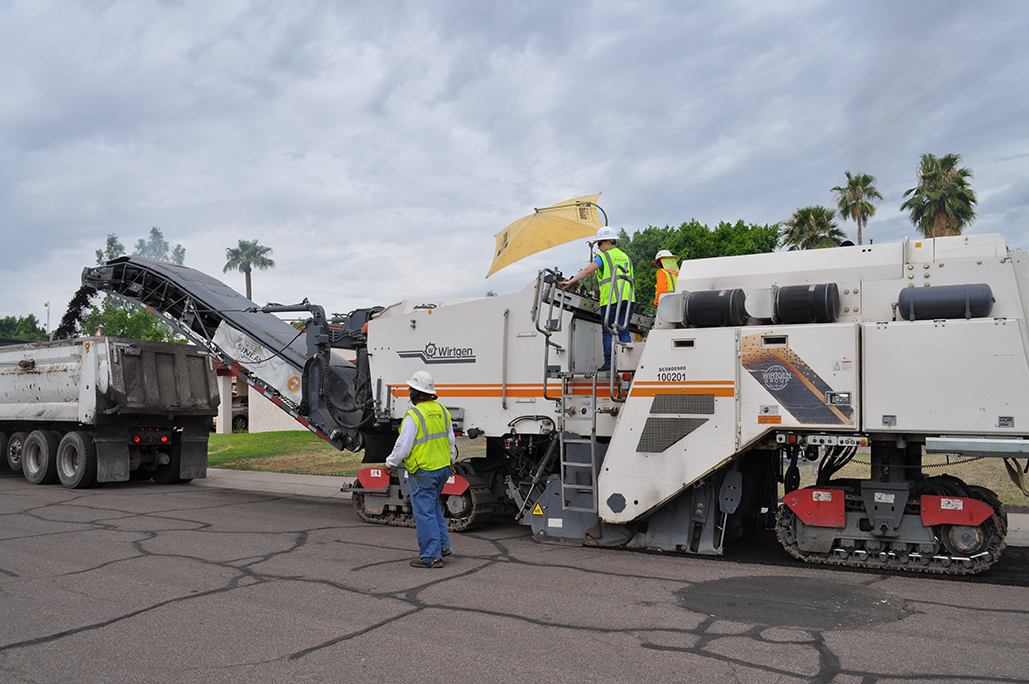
point(458, 506)
point(965, 538)
point(15, 452)
point(32, 458)
point(68, 461)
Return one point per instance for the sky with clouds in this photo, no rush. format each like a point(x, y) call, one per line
point(377, 147)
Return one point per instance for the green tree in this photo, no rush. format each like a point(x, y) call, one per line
point(21, 328)
point(117, 317)
point(153, 247)
point(854, 200)
point(943, 201)
point(811, 228)
point(156, 247)
point(245, 258)
point(112, 250)
point(133, 322)
point(691, 240)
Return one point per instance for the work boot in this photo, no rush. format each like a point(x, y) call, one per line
point(419, 563)
point(446, 552)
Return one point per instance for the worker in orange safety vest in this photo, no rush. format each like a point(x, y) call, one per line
point(667, 273)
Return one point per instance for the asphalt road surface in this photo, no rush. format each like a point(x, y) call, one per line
point(140, 582)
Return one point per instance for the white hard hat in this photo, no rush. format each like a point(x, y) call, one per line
point(422, 382)
point(605, 233)
point(661, 255)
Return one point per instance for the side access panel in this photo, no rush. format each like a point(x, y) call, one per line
point(946, 377)
point(798, 376)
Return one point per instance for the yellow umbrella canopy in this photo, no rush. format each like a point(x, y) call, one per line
point(546, 228)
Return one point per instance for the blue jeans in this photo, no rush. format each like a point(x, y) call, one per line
point(607, 313)
point(426, 487)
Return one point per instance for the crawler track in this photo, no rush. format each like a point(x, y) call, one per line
point(477, 508)
point(876, 554)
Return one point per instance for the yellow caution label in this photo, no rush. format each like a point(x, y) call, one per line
point(538, 510)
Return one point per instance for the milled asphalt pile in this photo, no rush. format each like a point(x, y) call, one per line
point(328, 487)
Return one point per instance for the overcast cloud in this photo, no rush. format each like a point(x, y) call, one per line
point(378, 147)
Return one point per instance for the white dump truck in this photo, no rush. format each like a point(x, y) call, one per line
point(104, 409)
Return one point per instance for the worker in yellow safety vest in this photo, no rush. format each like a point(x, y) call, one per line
point(617, 294)
point(667, 273)
point(426, 449)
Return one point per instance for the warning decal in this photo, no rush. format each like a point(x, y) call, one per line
point(538, 510)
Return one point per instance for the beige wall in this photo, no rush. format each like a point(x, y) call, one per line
point(267, 417)
point(223, 423)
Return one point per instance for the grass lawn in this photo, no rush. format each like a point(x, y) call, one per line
point(296, 452)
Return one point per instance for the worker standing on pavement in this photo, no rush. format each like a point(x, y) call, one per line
point(667, 273)
point(616, 294)
point(426, 448)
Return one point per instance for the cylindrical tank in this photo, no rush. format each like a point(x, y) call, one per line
point(808, 303)
point(946, 301)
point(715, 308)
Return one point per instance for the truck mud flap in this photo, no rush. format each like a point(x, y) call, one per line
point(112, 459)
point(193, 456)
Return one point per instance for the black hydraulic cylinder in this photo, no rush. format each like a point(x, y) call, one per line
point(946, 301)
point(715, 308)
point(808, 303)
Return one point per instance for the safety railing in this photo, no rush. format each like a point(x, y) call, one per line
point(548, 280)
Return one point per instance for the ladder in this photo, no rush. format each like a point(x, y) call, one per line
point(579, 454)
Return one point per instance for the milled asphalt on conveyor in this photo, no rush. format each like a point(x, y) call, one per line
point(251, 577)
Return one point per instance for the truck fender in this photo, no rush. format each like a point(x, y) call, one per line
point(818, 507)
point(456, 485)
point(378, 478)
point(953, 510)
point(374, 478)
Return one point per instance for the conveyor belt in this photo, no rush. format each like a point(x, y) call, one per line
point(195, 304)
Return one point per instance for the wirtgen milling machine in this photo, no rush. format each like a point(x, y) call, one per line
point(754, 363)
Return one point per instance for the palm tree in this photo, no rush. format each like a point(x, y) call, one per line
point(811, 228)
point(248, 256)
point(855, 199)
point(942, 202)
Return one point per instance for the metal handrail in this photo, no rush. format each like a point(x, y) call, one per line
point(558, 297)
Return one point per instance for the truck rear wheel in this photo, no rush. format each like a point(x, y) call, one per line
point(39, 457)
point(3, 450)
point(76, 460)
point(14, 449)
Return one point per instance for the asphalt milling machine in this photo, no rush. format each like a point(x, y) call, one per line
point(752, 365)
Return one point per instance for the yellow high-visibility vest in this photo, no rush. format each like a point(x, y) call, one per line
point(431, 450)
point(613, 259)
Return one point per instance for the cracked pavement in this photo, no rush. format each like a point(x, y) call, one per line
point(141, 582)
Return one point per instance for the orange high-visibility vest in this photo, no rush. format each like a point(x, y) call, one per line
point(665, 283)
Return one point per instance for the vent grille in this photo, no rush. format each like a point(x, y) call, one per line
point(698, 404)
point(661, 433)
